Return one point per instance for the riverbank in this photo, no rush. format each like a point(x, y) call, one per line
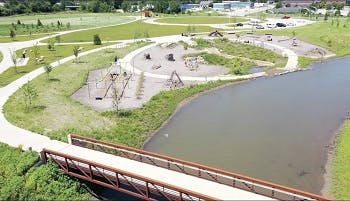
point(337, 170)
point(187, 101)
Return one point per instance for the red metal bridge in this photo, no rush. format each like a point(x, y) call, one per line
point(151, 176)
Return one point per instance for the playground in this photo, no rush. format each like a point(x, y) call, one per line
point(113, 88)
point(301, 48)
point(166, 58)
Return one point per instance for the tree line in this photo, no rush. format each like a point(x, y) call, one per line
point(13, 7)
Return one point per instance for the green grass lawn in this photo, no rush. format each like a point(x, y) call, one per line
point(133, 30)
point(190, 14)
point(56, 114)
point(332, 37)
point(1, 57)
point(20, 180)
point(341, 166)
point(304, 62)
point(49, 21)
point(63, 51)
point(243, 50)
point(201, 20)
point(237, 66)
point(7, 39)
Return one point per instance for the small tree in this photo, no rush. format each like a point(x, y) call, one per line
point(146, 34)
point(18, 22)
point(48, 69)
point(30, 94)
point(294, 34)
point(97, 40)
point(39, 24)
point(12, 34)
point(51, 45)
point(329, 43)
point(36, 50)
point(188, 29)
point(14, 60)
point(238, 36)
point(76, 53)
point(116, 98)
point(325, 17)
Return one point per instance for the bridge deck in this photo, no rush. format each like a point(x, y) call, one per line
point(195, 184)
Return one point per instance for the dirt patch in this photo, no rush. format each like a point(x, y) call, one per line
point(159, 64)
point(301, 48)
point(98, 91)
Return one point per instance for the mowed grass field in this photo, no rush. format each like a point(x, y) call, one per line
point(132, 30)
point(201, 20)
point(28, 30)
point(7, 39)
point(332, 36)
point(60, 52)
point(76, 20)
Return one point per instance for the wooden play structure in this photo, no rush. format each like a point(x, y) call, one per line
point(112, 79)
point(174, 81)
point(215, 34)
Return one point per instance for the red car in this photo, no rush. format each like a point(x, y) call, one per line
point(285, 17)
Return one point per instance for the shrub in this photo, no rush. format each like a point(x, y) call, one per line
point(12, 34)
point(48, 69)
point(39, 24)
point(97, 40)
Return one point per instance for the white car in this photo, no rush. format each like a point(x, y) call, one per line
point(271, 26)
point(291, 24)
point(259, 26)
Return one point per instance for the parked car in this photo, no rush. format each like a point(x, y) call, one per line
point(285, 17)
point(292, 24)
point(271, 26)
point(239, 24)
point(259, 26)
point(279, 24)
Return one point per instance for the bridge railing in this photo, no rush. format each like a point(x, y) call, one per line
point(220, 176)
point(120, 180)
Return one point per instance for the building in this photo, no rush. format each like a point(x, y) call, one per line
point(188, 6)
point(288, 10)
point(305, 3)
point(239, 5)
point(205, 4)
point(193, 7)
point(221, 6)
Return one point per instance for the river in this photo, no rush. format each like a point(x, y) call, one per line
point(275, 128)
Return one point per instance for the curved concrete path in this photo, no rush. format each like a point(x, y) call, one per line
point(16, 136)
